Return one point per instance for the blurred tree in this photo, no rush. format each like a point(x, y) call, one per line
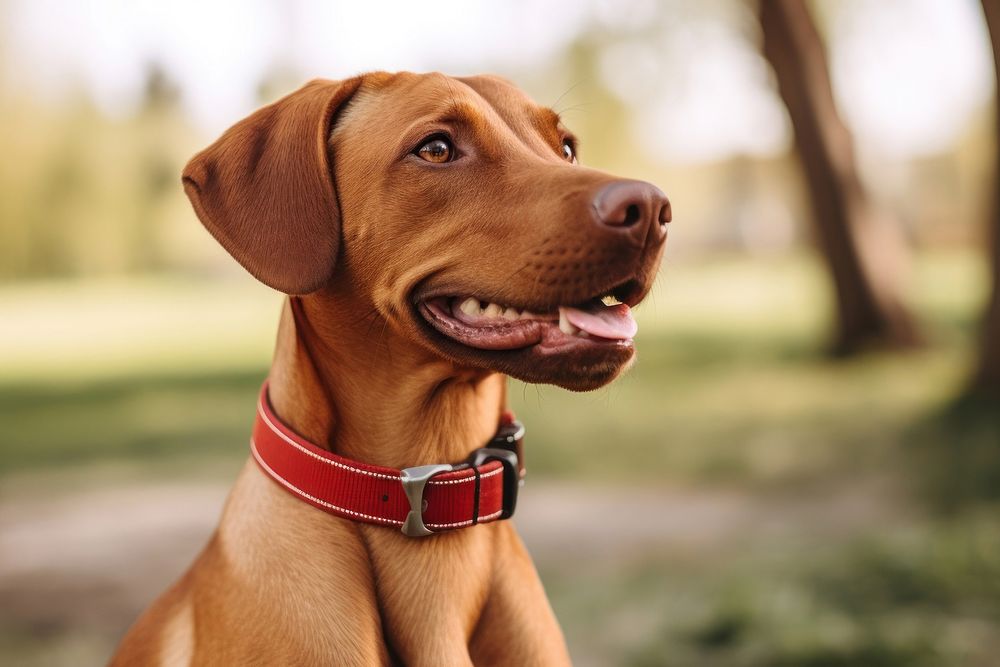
point(860, 249)
point(987, 377)
point(63, 188)
point(157, 169)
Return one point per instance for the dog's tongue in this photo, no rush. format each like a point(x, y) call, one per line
point(614, 322)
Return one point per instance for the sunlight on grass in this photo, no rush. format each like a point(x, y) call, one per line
point(60, 332)
point(731, 382)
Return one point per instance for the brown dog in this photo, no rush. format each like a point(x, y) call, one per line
point(393, 207)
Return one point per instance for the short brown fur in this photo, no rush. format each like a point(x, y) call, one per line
point(318, 195)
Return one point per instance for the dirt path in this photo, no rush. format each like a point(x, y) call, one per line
point(77, 567)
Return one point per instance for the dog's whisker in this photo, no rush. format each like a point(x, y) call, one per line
point(582, 106)
point(564, 94)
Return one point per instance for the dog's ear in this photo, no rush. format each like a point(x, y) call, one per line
point(265, 189)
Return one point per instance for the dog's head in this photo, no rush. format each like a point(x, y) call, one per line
point(453, 209)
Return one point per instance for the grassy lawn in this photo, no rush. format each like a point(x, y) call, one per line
point(731, 384)
point(732, 390)
point(926, 594)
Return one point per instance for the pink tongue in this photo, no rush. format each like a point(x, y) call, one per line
point(613, 322)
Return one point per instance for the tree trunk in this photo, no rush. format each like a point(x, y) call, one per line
point(987, 376)
point(862, 249)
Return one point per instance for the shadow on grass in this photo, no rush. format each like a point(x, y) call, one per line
point(956, 453)
point(152, 417)
point(926, 597)
point(188, 414)
point(696, 407)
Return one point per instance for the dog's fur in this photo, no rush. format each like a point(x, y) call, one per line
point(320, 196)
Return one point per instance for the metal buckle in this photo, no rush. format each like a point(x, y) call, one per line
point(414, 480)
point(511, 474)
point(502, 447)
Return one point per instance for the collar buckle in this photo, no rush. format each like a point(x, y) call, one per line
point(503, 447)
point(414, 481)
point(511, 474)
point(506, 447)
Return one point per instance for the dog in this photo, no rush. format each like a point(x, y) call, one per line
point(433, 235)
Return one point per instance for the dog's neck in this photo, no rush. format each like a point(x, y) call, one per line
point(353, 386)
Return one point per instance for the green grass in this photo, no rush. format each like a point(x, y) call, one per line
point(690, 410)
point(732, 384)
point(726, 419)
point(909, 595)
point(146, 420)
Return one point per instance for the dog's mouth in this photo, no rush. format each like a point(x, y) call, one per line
point(604, 320)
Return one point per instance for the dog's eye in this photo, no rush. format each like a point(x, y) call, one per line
point(436, 150)
point(568, 151)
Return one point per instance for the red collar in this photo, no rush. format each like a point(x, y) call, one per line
point(421, 500)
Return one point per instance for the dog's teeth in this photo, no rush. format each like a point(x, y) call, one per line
point(470, 307)
point(610, 300)
point(511, 314)
point(493, 310)
point(526, 315)
point(565, 325)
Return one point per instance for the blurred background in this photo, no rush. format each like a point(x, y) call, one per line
point(803, 468)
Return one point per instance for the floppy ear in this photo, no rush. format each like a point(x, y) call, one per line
point(265, 188)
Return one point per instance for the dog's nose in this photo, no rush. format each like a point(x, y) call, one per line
point(626, 204)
